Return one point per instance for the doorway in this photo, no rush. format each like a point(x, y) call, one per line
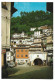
point(38, 61)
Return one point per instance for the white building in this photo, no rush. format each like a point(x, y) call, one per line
point(32, 29)
point(37, 34)
point(36, 56)
point(15, 41)
point(9, 56)
point(16, 35)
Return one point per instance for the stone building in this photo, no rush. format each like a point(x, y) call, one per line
point(5, 29)
point(7, 10)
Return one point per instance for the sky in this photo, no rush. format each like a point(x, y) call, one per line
point(28, 7)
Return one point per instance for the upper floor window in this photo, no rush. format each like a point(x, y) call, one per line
point(21, 50)
point(21, 55)
point(37, 55)
point(14, 42)
point(8, 54)
point(26, 55)
point(17, 55)
point(25, 50)
point(4, 5)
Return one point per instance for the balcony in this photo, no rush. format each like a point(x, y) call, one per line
point(49, 48)
point(50, 53)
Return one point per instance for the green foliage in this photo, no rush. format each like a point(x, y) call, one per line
point(31, 19)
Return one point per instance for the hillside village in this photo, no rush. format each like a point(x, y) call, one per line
point(36, 49)
point(26, 42)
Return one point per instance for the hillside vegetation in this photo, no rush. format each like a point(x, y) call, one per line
point(31, 19)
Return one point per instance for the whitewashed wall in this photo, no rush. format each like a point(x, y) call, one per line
point(32, 57)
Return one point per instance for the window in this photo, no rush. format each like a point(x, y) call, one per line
point(17, 55)
point(22, 60)
point(4, 5)
point(26, 60)
point(18, 46)
point(21, 55)
point(14, 42)
point(22, 50)
point(26, 50)
point(20, 41)
point(37, 55)
point(26, 55)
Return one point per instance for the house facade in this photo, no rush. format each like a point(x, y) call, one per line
point(37, 56)
point(47, 41)
point(21, 54)
point(6, 10)
point(9, 56)
point(18, 35)
point(36, 49)
point(5, 29)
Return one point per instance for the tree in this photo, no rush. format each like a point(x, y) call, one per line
point(30, 19)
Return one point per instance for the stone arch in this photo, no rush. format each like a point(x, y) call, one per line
point(38, 61)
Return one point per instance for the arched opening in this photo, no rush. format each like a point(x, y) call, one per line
point(38, 61)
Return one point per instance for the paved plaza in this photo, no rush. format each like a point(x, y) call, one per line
point(30, 72)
